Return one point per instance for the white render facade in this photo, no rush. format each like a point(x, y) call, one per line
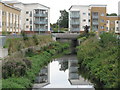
point(119, 15)
point(79, 17)
point(34, 17)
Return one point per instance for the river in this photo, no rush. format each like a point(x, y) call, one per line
point(61, 73)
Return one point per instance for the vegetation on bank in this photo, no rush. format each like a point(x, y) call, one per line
point(98, 60)
point(16, 44)
point(21, 73)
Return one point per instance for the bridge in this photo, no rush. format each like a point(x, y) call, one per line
point(70, 36)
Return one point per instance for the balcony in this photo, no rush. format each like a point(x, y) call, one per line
point(41, 29)
point(75, 29)
point(95, 17)
point(40, 22)
point(74, 23)
point(75, 16)
point(95, 23)
point(40, 15)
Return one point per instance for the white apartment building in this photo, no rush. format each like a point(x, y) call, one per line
point(34, 17)
point(90, 15)
point(79, 17)
point(119, 15)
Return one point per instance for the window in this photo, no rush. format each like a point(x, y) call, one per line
point(27, 12)
point(89, 20)
point(30, 22)
point(102, 14)
point(30, 28)
point(117, 22)
point(84, 20)
point(117, 28)
point(102, 27)
point(88, 14)
point(30, 13)
point(27, 19)
point(27, 26)
point(102, 20)
point(84, 13)
point(107, 28)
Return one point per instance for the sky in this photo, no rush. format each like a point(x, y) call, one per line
point(57, 5)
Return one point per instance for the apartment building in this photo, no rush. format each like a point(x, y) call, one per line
point(35, 17)
point(79, 16)
point(90, 15)
point(93, 16)
point(9, 18)
point(112, 24)
point(119, 15)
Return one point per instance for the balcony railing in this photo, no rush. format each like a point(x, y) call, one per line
point(75, 16)
point(95, 23)
point(95, 17)
point(74, 22)
point(40, 29)
point(40, 15)
point(40, 22)
point(75, 29)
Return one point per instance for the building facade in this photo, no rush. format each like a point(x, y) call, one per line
point(9, 19)
point(112, 24)
point(79, 16)
point(34, 17)
point(119, 15)
point(93, 16)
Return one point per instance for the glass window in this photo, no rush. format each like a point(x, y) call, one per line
point(102, 27)
point(84, 20)
point(31, 14)
point(30, 28)
point(27, 26)
point(27, 19)
point(102, 14)
point(84, 13)
point(102, 20)
point(27, 12)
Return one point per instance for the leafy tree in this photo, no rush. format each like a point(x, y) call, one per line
point(112, 14)
point(63, 19)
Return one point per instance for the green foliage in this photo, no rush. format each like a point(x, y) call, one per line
point(37, 62)
point(16, 44)
point(35, 39)
point(112, 14)
point(63, 19)
point(99, 58)
point(15, 67)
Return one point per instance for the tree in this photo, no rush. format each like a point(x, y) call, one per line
point(63, 19)
point(112, 14)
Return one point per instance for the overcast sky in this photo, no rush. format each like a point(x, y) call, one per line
point(57, 5)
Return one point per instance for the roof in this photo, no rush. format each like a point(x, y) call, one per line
point(10, 6)
point(92, 5)
point(16, 2)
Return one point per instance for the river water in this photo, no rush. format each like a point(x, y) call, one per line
point(62, 73)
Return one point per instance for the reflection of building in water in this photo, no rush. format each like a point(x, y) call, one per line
point(74, 77)
point(43, 77)
point(63, 65)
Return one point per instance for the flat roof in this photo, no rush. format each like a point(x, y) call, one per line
point(10, 6)
point(92, 5)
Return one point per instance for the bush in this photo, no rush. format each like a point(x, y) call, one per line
point(99, 60)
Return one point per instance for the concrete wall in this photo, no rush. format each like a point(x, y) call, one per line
point(3, 52)
point(2, 41)
point(0, 74)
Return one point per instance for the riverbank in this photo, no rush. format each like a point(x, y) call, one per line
point(29, 67)
point(98, 60)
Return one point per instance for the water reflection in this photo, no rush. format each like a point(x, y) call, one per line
point(62, 73)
